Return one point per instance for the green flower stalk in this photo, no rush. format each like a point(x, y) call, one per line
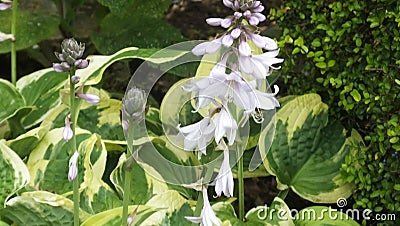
point(70, 58)
point(133, 109)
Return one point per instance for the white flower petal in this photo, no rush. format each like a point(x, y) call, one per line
point(214, 21)
point(236, 33)
point(244, 48)
point(225, 23)
point(227, 40)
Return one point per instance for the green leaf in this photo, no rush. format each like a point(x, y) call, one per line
point(11, 100)
point(41, 91)
point(322, 215)
point(25, 143)
point(117, 33)
point(143, 186)
point(307, 153)
point(40, 208)
point(33, 26)
point(124, 8)
point(396, 187)
point(14, 174)
point(356, 95)
point(321, 65)
point(113, 217)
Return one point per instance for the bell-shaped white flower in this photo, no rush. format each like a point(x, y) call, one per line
point(258, 65)
point(207, 47)
point(224, 180)
point(225, 125)
point(207, 216)
point(197, 135)
point(73, 166)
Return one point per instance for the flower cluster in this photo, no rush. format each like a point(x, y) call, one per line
point(238, 78)
point(70, 56)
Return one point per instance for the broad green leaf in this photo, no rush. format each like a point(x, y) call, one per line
point(40, 208)
point(41, 91)
point(169, 201)
point(33, 25)
point(48, 162)
point(322, 215)
point(143, 185)
point(307, 153)
point(14, 174)
point(96, 195)
point(113, 217)
point(11, 100)
point(25, 143)
point(99, 63)
point(123, 8)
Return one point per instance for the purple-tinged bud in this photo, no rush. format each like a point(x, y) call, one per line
point(62, 67)
point(253, 21)
point(227, 40)
point(236, 4)
point(244, 48)
point(258, 9)
point(247, 14)
point(75, 79)
point(237, 15)
point(59, 56)
point(236, 33)
point(73, 166)
point(134, 104)
point(259, 16)
point(81, 64)
point(129, 221)
point(4, 36)
point(4, 6)
point(225, 23)
point(68, 133)
point(207, 47)
point(214, 21)
point(255, 4)
point(228, 3)
point(90, 98)
point(124, 125)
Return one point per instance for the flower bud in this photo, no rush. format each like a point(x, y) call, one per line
point(81, 64)
point(71, 52)
point(73, 166)
point(75, 79)
point(90, 98)
point(68, 133)
point(4, 6)
point(134, 104)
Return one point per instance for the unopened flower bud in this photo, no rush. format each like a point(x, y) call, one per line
point(4, 6)
point(134, 104)
point(72, 50)
point(90, 98)
point(73, 166)
point(4, 36)
point(62, 67)
point(68, 133)
point(75, 79)
point(81, 64)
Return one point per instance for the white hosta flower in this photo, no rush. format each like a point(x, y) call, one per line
point(73, 166)
point(225, 125)
point(207, 216)
point(197, 135)
point(207, 47)
point(224, 181)
point(90, 98)
point(266, 101)
point(259, 65)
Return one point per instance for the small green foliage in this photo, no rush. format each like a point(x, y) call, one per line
point(352, 62)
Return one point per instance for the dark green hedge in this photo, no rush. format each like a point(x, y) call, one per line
point(349, 53)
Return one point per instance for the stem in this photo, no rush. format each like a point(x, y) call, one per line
point(13, 48)
point(128, 176)
point(282, 194)
point(240, 183)
point(74, 117)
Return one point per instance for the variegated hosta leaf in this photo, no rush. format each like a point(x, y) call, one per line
point(14, 174)
point(25, 143)
point(307, 153)
point(322, 215)
point(96, 195)
point(102, 118)
point(41, 92)
point(11, 100)
point(98, 64)
point(113, 217)
point(48, 162)
point(143, 185)
point(40, 208)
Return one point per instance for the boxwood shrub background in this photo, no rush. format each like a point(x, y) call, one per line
point(349, 53)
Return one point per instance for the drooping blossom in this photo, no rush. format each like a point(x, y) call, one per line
point(207, 216)
point(4, 36)
point(224, 180)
